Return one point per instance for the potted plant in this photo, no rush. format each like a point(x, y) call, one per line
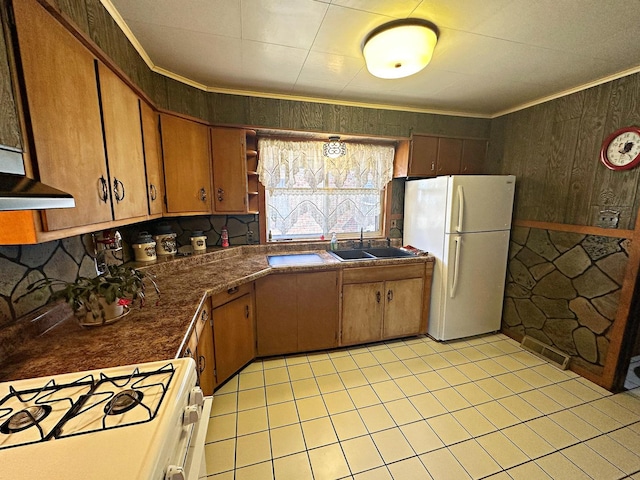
point(103, 299)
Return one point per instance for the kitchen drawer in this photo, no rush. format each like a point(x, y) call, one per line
point(377, 274)
point(231, 294)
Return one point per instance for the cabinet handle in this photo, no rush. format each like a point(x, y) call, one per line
point(105, 191)
point(204, 316)
point(154, 192)
point(389, 295)
point(233, 290)
point(246, 311)
point(202, 363)
point(378, 296)
point(220, 195)
point(116, 190)
point(203, 194)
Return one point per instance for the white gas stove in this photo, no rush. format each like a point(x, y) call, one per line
point(137, 422)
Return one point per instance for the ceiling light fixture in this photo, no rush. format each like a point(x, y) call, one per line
point(400, 48)
point(334, 148)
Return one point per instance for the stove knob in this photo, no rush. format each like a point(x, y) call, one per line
point(174, 473)
point(196, 397)
point(191, 415)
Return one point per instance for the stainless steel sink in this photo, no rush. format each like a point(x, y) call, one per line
point(293, 259)
point(343, 255)
point(370, 254)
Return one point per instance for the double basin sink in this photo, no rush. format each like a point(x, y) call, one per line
point(346, 255)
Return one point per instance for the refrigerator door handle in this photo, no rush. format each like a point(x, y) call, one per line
point(456, 267)
point(460, 208)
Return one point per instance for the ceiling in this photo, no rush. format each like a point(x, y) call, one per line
point(492, 56)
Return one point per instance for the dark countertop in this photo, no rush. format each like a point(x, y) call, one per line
point(160, 329)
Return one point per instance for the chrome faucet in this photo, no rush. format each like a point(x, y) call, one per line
point(361, 237)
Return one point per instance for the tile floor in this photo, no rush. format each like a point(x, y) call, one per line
point(419, 409)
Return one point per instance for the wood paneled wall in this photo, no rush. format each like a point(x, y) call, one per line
point(553, 148)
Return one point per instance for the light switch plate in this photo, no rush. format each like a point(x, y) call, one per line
point(608, 219)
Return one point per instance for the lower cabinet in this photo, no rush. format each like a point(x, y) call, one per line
point(233, 330)
point(200, 348)
point(297, 312)
point(383, 302)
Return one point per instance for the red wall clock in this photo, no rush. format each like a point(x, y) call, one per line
point(621, 149)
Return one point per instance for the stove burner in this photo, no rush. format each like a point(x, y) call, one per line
point(123, 402)
point(25, 418)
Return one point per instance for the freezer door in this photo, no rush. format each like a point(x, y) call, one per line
point(472, 290)
point(479, 203)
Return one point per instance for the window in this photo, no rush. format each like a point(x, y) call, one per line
point(309, 195)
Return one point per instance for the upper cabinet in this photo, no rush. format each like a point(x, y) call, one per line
point(187, 165)
point(152, 158)
point(474, 153)
point(228, 147)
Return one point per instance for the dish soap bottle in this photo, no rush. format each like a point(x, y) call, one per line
point(334, 242)
point(224, 235)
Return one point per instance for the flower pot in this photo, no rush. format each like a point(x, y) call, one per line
point(112, 312)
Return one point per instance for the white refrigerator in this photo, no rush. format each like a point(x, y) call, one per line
point(465, 222)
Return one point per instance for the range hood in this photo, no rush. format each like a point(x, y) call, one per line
point(18, 192)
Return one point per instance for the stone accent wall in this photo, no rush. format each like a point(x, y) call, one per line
point(563, 289)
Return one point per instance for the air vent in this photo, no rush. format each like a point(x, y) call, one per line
point(542, 350)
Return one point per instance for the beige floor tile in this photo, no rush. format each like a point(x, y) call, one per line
point(528, 471)
point(409, 469)
point(293, 467)
point(511, 364)
point(328, 463)
point(558, 467)
point(254, 448)
point(353, 378)
point(384, 355)
point(344, 352)
point(296, 359)
point(387, 391)
point(499, 476)
point(221, 427)
point(502, 450)
point(562, 396)
point(427, 405)
point(432, 381)
point(230, 386)
point(375, 374)
point(582, 391)
point(451, 399)
point(348, 425)
point(474, 459)
point(522, 410)
point(597, 418)
point(279, 393)
point(224, 404)
point(627, 437)
point(541, 402)
point(574, 425)
point(392, 445)
point(453, 376)
point(416, 365)
point(322, 367)
point(529, 359)
point(532, 444)
point(448, 429)
point(343, 364)
point(329, 383)
point(282, 414)
point(252, 421)
point(422, 349)
point(533, 378)
point(318, 357)
point(376, 418)
point(489, 350)
point(436, 361)
point(589, 461)
point(473, 394)
point(421, 437)
point(442, 465)
point(300, 372)
point(616, 411)
point(380, 473)
point(273, 376)
point(473, 422)
point(259, 471)
point(338, 402)
point(365, 359)
point(494, 388)
point(220, 456)
point(274, 362)
point(318, 432)
point(363, 396)
point(361, 454)
point(472, 354)
point(396, 369)
point(286, 440)
point(491, 367)
point(454, 357)
point(497, 414)
point(472, 371)
point(552, 373)
point(618, 454)
point(253, 398)
point(410, 385)
point(553, 433)
point(305, 388)
point(403, 352)
point(311, 407)
point(514, 383)
point(402, 411)
point(251, 380)
point(222, 476)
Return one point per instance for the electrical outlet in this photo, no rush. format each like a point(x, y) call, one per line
point(608, 219)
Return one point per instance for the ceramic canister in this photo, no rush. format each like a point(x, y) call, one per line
point(198, 240)
point(144, 248)
point(165, 241)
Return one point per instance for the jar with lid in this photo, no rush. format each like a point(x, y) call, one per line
point(198, 241)
point(165, 240)
point(144, 247)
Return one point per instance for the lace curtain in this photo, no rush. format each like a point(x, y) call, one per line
point(286, 164)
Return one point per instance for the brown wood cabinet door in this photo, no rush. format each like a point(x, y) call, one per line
point(62, 98)
point(187, 165)
point(317, 312)
point(362, 310)
point(449, 156)
point(403, 307)
point(233, 335)
point(473, 156)
point(228, 146)
point(152, 157)
point(123, 140)
point(206, 360)
point(424, 156)
point(276, 310)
